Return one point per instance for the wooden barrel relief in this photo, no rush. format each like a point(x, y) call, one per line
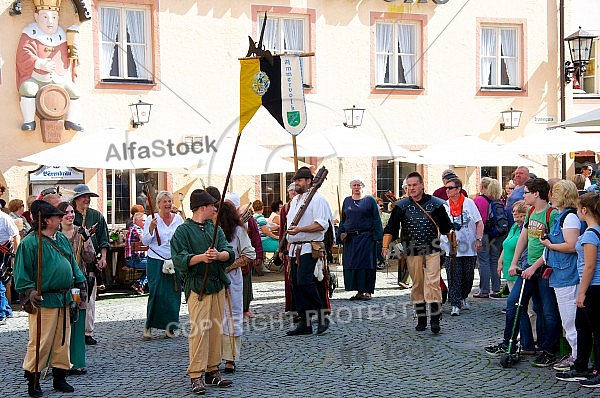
point(52, 102)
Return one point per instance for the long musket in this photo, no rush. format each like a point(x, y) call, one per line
point(80, 242)
point(145, 184)
point(316, 184)
point(38, 287)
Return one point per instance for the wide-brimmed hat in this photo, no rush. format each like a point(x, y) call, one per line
point(303, 172)
point(44, 208)
point(81, 190)
point(201, 198)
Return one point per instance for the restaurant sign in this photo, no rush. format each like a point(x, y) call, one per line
point(56, 173)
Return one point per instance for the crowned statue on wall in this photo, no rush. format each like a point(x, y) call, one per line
point(47, 55)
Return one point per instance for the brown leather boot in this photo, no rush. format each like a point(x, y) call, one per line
point(214, 379)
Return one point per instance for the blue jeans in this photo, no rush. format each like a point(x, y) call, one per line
point(549, 337)
point(524, 325)
point(487, 259)
point(552, 326)
point(5, 309)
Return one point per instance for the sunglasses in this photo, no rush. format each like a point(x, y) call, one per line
point(449, 188)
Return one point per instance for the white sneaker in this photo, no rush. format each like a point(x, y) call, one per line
point(564, 364)
point(455, 311)
point(465, 305)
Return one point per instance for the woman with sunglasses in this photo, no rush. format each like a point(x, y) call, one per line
point(467, 224)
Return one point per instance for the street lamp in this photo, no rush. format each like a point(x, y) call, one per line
point(580, 47)
point(512, 118)
point(140, 113)
point(353, 116)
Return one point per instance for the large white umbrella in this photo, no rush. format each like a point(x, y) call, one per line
point(550, 142)
point(250, 159)
point(343, 142)
point(114, 149)
point(591, 118)
point(468, 150)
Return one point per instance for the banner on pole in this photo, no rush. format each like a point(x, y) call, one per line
point(278, 87)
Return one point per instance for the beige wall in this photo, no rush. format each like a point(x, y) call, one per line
point(201, 41)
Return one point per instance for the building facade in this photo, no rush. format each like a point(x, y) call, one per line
point(424, 71)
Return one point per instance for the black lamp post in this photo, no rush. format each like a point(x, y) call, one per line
point(353, 116)
point(512, 119)
point(140, 113)
point(580, 47)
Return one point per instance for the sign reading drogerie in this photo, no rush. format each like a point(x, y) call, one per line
point(544, 119)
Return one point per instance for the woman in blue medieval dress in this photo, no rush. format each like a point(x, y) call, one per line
point(359, 231)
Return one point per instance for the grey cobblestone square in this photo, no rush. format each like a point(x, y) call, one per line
point(371, 349)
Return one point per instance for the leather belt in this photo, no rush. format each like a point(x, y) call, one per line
point(355, 233)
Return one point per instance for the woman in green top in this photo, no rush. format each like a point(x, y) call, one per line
point(519, 210)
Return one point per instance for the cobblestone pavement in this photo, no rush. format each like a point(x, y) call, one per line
point(370, 350)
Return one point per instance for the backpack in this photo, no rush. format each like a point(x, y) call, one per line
point(497, 222)
point(548, 212)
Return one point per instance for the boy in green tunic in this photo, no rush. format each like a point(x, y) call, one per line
point(193, 256)
point(60, 273)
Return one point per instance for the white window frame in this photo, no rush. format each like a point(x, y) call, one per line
point(498, 58)
point(109, 179)
point(591, 78)
point(395, 54)
point(146, 69)
point(278, 48)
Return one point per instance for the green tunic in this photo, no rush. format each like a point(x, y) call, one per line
point(189, 240)
point(58, 273)
point(100, 238)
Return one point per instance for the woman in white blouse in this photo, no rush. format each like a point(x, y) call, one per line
point(164, 300)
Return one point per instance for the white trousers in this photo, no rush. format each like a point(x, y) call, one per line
point(565, 297)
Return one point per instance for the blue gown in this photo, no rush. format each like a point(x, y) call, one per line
point(362, 224)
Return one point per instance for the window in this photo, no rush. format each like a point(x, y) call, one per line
point(499, 57)
point(125, 43)
point(489, 171)
point(288, 34)
point(124, 189)
point(507, 173)
point(390, 176)
point(270, 191)
point(591, 77)
point(274, 187)
point(397, 54)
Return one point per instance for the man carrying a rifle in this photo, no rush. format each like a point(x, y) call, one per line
point(307, 221)
point(423, 218)
point(94, 220)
